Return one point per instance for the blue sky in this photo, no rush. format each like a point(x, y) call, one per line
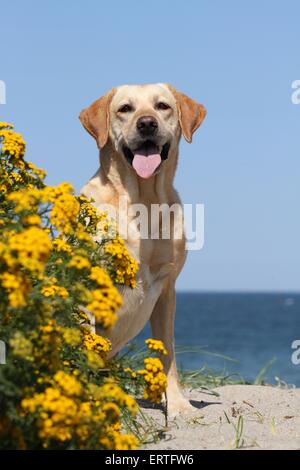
point(238, 58)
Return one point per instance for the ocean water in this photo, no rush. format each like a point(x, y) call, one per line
point(251, 329)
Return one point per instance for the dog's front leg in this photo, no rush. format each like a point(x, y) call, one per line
point(162, 324)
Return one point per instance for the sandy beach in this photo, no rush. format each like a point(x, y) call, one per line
point(233, 416)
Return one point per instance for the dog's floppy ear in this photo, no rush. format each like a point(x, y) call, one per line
point(190, 113)
point(95, 118)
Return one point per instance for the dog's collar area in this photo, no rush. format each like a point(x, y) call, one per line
point(129, 154)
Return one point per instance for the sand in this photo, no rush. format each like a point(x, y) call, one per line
point(269, 417)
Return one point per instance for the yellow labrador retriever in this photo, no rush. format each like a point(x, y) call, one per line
point(137, 129)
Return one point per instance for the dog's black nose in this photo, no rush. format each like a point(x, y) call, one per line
point(147, 125)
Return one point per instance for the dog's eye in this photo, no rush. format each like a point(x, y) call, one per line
point(162, 106)
point(126, 108)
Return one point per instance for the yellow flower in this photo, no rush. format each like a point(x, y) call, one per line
point(65, 207)
point(112, 411)
point(4, 124)
point(85, 409)
point(91, 214)
point(155, 378)
point(54, 290)
point(12, 143)
point(16, 177)
point(62, 245)
point(17, 286)
point(25, 199)
point(125, 442)
point(64, 212)
point(32, 247)
point(95, 360)
point(72, 336)
point(100, 276)
point(104, 305)
point(33, 219)
point(21, 346)
point(52, 193)
point(125, 265)
point(82, 235)
point(83, 431)
point(93, 342)
point(58, 413)
point(37, 171)
point(113, 392)
point(50, 237)
point(156, 345)
point(68, 384)
point(50, 327)
point(79, 262)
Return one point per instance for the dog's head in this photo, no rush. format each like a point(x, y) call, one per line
point(143, 122)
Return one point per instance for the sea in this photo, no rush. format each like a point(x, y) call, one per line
point(238, 334)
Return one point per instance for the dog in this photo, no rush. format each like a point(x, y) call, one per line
point(137, 129)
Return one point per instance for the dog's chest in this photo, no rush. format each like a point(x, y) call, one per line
point(156, 258)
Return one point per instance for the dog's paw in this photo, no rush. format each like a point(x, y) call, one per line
point(178, 406)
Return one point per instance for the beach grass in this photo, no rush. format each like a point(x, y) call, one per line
point(205, 377)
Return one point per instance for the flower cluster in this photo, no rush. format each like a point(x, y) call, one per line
point(156, 345)
point(29, 248)
point(21, 346)
point(104, 305)
point(152, 373)
point(64, 412)
point(53, 290)
point(105, 300)
point(50, 268)
point(12, 142)
point(16, 286)
point(156, 380)
point(93, 342)
point(125, 266)
point(60, 258)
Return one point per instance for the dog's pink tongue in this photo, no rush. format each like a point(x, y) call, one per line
point(146, 160)
point(146, 166)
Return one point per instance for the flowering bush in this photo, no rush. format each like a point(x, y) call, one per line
point(57, 388)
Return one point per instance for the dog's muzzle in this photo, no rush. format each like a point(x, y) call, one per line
point(147, 158)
